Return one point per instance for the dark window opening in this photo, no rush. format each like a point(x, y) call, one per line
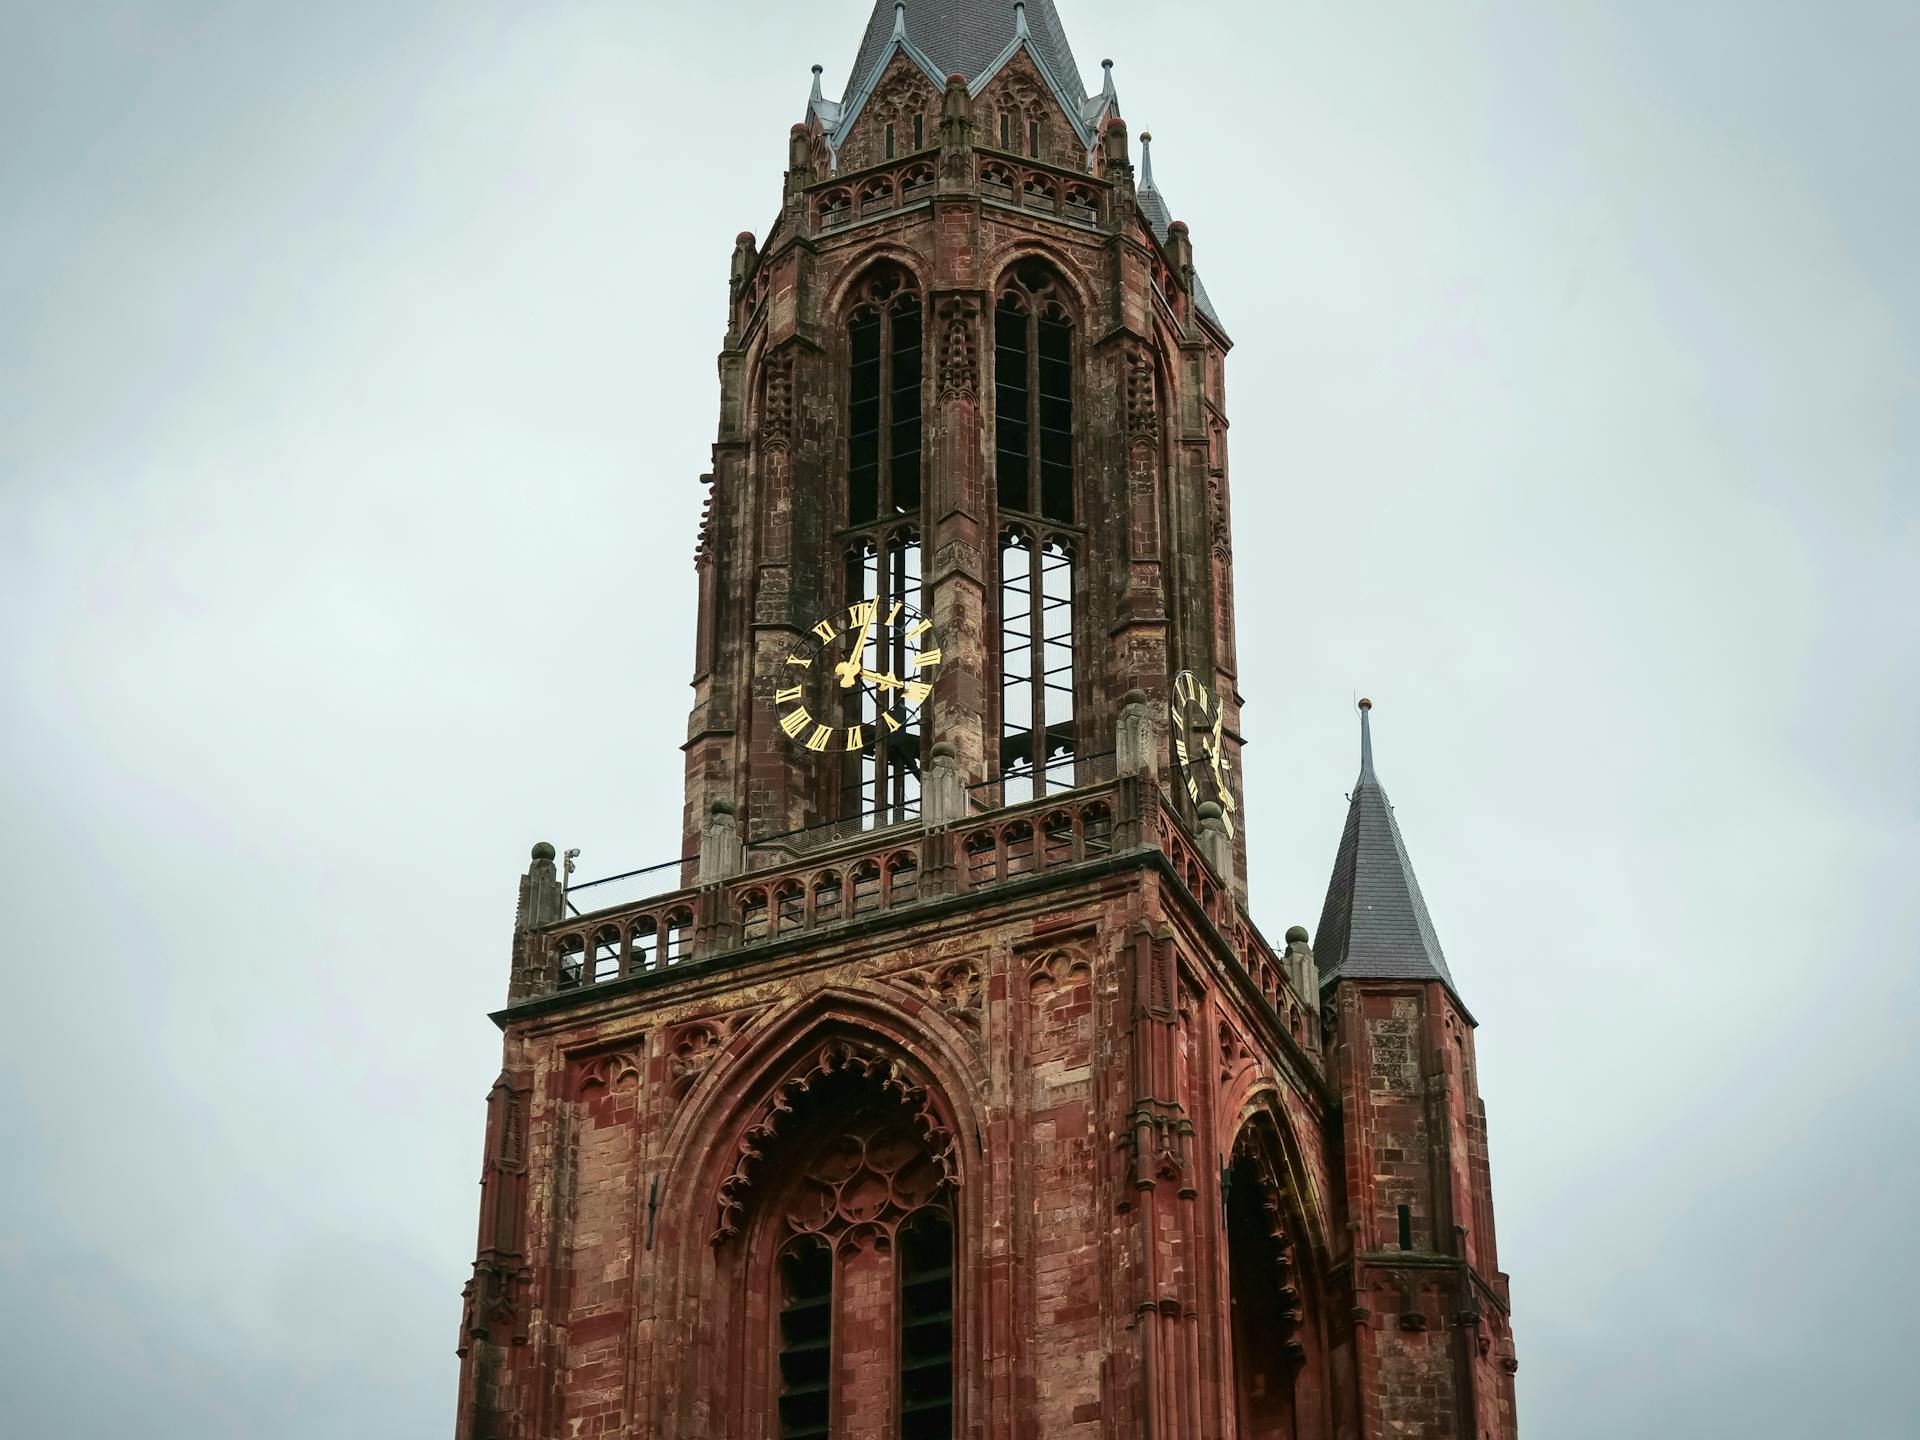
point(904, 436)
point(806, 1338)
point(1012, 401)
point(1006, 131)
point(1055, 415)
point(884, 401)
point(919, 132)
point(1265, 1310)
point(1033, 400)
point(1033, 138)
point(889, 142)
point(1406, 1228)
point(926, 1328)
point(863, 419)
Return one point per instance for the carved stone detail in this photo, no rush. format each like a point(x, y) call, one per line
point(1143, 416)
point(777, 415)
point(610, 1071)
point(1053, 968)
point(953, 987)
point(693, 1047)
point(959, 351)
point(834, 1057)
point(864, 1182)
point(1281, 1245)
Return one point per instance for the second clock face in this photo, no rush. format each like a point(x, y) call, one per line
point(1197, 721)
point(859, 677)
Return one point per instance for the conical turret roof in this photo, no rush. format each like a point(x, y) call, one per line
point(1375, 925)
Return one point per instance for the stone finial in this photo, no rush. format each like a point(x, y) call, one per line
point(542, 901)
point(1303, 972)
point(1215, 842)
point(1113, 148)
point(1180, 247)
point(744, 256)
point(943, 798)
point(799, 149)
point(956, 125)
point(1136, 746)
point(722, 856)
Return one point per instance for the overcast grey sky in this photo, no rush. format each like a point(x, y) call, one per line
point(355, 376)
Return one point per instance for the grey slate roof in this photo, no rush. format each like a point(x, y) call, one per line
point(966, 36)
point(1375, 925)
point(971, 38)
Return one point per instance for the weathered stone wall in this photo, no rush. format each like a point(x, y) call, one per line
point(1062, 1043)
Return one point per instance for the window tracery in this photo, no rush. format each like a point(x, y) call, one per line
point(859, 1233)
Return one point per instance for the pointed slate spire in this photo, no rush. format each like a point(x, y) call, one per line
point(1107, 87)
point(1375, 925)
point(966, 36)
point(1146, 161)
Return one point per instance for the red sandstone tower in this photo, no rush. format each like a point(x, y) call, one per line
point(951, 1088)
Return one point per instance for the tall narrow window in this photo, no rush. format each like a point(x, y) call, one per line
point(889, 142)
point(926, 1327)
point(1034, 482)
point(883, 400)
point(887, 368)
point(1033, 398)
point(1037, 743)
point(919, 132)
point(1006, 131)
point(854, 1221)
point(1263, 1309)
point(806, 1338)
point(882, 784)
point(1033, 138)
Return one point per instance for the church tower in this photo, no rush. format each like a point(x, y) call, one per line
point(947, 1086)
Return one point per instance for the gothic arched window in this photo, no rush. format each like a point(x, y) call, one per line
point(881, 785)
point(1033, 396)
point(863, 1272)
point(1271, 1333)
point(883, 398)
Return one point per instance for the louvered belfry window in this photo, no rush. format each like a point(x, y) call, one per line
point(1034, 481)
point(806, 1338)
point(926, 1327)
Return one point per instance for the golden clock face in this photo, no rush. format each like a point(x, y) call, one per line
point(858, 678)
point(1197, 724)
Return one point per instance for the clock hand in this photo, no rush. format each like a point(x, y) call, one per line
point(885, 682)
point(850, 671)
